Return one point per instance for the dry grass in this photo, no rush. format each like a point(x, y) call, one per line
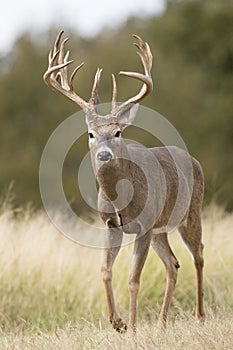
point(184, 334)
point(51, 294)
point(216, 334)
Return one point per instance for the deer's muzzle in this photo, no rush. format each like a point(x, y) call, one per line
point(104, 156)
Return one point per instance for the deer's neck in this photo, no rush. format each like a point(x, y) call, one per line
point(112, 175)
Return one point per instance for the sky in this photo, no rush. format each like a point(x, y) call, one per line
point(88, 17)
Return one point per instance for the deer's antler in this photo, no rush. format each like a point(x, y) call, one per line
point(56, 76)
point(146, 58)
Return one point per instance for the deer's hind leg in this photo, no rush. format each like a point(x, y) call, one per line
point(161, 246)
point(113, 240)
point(191, 234)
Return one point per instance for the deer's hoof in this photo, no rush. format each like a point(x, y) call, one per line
point(119, 325)
point(200, 319)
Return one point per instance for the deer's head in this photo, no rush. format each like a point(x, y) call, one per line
point(104, 131)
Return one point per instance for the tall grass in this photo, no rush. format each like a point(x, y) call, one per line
point(51, 293)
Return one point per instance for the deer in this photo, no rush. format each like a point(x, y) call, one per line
point(142, 191)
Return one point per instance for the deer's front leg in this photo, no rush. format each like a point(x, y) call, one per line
point(141, 248)
point(113, 240)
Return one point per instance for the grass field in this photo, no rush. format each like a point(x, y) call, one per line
point(51, 293)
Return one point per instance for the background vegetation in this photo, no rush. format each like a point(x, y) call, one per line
point(192, 44)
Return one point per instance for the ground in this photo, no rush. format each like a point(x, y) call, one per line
point(51, 294)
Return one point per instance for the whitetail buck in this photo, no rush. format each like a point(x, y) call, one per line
point(166, 185)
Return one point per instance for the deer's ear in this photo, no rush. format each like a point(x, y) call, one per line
point(127, 117)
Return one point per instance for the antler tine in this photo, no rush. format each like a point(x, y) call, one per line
point(74, 73)
point(146, 59)
point(55, 51)
point(114, 93)
point(94, 92)
point(61, 56)
point(53, 54)
point(57, 68)
point(63, 59)
point(57, 41)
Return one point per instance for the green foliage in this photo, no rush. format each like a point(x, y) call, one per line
point(192, 44)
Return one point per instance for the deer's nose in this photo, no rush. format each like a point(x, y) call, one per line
point(104, 156)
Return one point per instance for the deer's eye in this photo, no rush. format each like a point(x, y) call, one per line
point(118, 133)
point(91, 136)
